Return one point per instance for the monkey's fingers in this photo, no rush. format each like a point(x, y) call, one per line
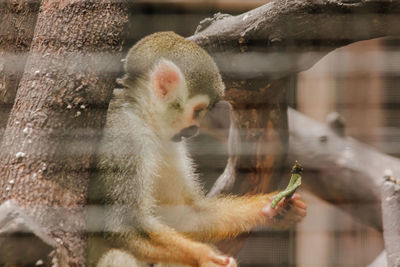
point(297, 212)
point(218, 260)
point(299, 206)
point(288, 212)
point(280, 208)
point(231, 263)
point(300, 214)
point(271, 212)
point(294, 202)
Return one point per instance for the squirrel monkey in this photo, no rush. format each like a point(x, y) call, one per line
point(157, 212)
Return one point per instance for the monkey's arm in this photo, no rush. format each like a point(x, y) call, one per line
point(225, 217)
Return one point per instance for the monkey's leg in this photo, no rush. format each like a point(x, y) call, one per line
point(167, 246)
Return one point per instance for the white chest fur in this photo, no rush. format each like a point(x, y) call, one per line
point(174, 185)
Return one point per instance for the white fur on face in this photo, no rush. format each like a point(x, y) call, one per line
point(191, 104)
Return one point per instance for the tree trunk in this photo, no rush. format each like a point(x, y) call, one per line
point(17, 20)
point(59, 110)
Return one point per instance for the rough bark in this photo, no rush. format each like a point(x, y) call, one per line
point(259, 109)
point(340, 169)
point(17, 20)
point(59, 109)
point(391, 218)
point(284, 37)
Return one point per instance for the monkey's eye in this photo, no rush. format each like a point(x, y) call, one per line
point(198, 111)
point(176, 105)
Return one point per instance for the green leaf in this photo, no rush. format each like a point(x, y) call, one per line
point(294, 183)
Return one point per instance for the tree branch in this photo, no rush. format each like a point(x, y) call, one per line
point(391, 218)
point(379, 261)
point(340, 169)
point(284, 37)
point(19, 232)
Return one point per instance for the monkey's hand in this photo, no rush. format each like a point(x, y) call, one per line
point(209, 258)
point(287, 213)
point(214, 260)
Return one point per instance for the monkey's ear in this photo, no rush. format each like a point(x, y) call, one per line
point(165, 79)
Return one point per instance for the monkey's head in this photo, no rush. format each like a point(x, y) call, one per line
point(182, 80)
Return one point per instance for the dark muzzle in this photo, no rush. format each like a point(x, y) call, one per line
point(185, 133)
